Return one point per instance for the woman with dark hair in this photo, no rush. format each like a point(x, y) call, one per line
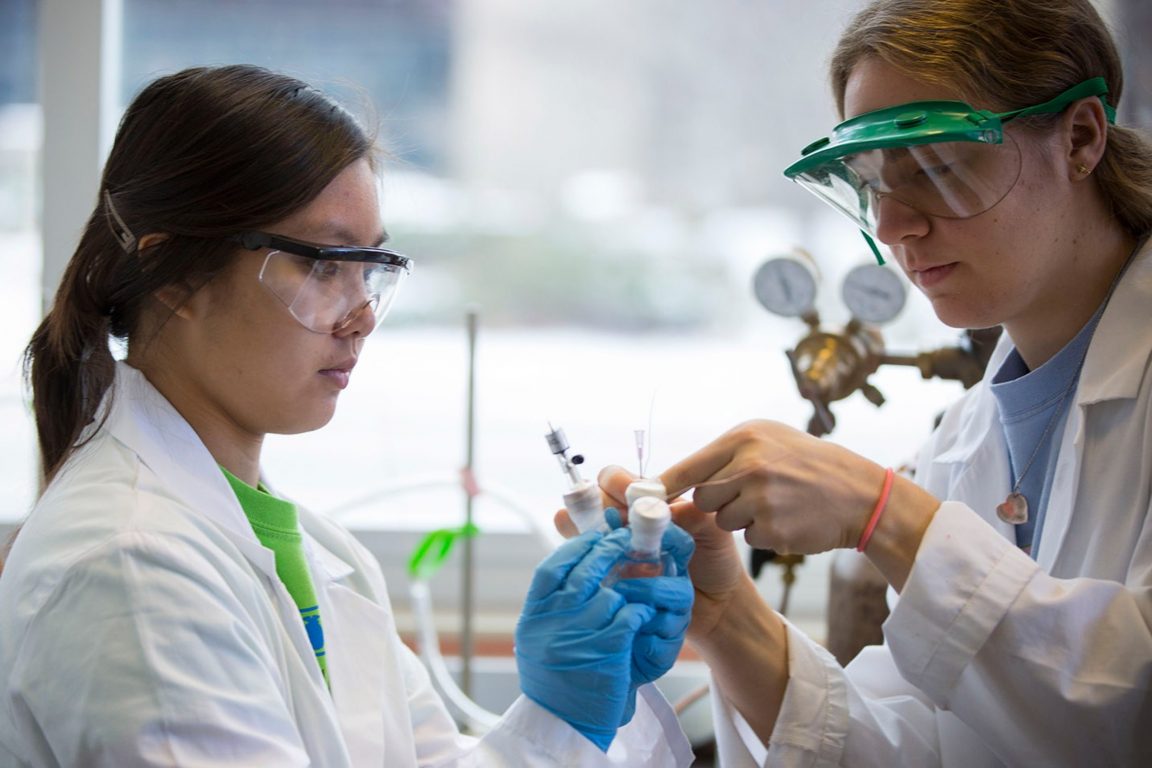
point(161, 605)
point(979, 145)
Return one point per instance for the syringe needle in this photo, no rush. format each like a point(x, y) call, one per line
point(640, 450)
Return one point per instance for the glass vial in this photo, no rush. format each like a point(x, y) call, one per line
point(648, 517)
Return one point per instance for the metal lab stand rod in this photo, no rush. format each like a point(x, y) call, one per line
point(467, 591)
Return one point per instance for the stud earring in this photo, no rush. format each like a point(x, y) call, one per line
point(1083, 169)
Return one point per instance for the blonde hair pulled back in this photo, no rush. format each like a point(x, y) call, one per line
point(1008, 53)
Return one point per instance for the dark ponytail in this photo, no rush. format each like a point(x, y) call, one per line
point(199, 155)
point(68, 363)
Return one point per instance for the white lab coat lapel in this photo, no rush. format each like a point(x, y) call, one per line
point(975, 467)
point(146, 422)
point(1062, 495)
point(357, 632)
point(1112, 370)
point(311, 698)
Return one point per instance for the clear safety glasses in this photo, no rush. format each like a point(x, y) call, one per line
point(326, 287)
point(942, 158)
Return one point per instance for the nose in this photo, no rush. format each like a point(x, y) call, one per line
point(359, 322)
point(897, 221)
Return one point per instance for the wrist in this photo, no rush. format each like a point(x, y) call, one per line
point(747, 655)
point(723, 627)
point(897, 535)
point(877, 510)
point(601, 736)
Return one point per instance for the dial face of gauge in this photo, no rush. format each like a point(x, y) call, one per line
point(785, 286)
point(873, 293)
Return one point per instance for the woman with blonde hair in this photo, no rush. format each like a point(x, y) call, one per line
point(978, 145)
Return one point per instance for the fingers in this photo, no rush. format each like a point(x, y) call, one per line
point(566, 528)
point(713, 495)
point(691, 518)
point(564, 524)
point(613, 517)
point(614, 482)
point(680, 545)
point(653, 656)
point(579, 564)
point(667, 594)
point(735, 515)
point(697, 468)
point(632, 617)
point(665, 626)
point(585, 576)
point(553, 571)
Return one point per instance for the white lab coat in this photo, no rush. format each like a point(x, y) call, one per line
point(142, 623)
point(992, 659)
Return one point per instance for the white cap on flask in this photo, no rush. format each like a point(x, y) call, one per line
point(648, 517)
point(644, 487)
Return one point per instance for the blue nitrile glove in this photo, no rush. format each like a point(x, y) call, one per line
point(658, 642)
point(574, 638)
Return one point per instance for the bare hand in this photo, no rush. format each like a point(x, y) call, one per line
point(788, 491)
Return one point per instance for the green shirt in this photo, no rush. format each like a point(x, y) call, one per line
point(277, 527)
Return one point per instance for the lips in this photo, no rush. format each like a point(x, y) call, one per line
point(928, 276)
point(340, 373)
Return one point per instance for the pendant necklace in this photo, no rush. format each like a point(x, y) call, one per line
point(1014, 509)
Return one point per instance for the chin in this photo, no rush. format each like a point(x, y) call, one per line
point(309, 422)
point(962, 314)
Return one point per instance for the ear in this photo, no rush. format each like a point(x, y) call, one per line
point(150, 240)
point(174, 297)
point(177, 298)
point(1087, 136)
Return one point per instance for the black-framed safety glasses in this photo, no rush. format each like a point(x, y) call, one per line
point(325, 287)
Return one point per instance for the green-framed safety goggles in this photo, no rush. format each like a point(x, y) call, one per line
point(943, 158)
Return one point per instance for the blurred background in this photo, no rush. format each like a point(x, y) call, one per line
point(596, 180)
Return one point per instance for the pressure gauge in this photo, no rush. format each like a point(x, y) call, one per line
point(786, 285)
point(873, 293)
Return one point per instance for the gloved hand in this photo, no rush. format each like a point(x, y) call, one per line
point(575, 637)
point(658, 642)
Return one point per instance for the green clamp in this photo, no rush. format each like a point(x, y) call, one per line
point(433, 550)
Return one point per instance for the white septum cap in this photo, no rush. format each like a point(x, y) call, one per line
point(643, 488)
point(585, 506)
point(648, 517)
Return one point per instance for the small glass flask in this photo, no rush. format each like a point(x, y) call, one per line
point(648, 517)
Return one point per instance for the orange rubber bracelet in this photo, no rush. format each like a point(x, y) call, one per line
point(878, 510)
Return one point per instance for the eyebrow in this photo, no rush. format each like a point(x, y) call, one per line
point(345, 237)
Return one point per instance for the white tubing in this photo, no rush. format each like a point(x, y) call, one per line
point(547, 535)
point(476, 718)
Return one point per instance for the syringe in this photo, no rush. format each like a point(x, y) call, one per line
point(583, 500)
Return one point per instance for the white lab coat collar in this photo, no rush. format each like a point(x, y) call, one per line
point(1113, 369)
point(143, 420)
